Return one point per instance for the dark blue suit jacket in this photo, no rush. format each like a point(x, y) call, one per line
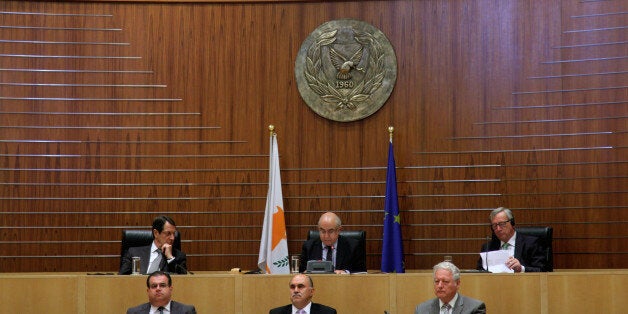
point(175, 308)
point(349, 254)
point(178, 266)
point(528, 250)
point(314, 309)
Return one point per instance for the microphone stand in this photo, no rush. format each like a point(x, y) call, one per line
point(488, 243)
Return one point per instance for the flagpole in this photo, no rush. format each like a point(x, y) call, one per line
point(390, 132)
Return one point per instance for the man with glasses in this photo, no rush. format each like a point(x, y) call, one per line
point(159, 292)
point(161, 254)
point(345, 253)
point(526, 253)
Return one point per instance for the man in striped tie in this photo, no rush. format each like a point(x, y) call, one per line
point(448, 301)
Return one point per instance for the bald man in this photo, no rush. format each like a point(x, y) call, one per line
point(347, 255)
point(301, 293)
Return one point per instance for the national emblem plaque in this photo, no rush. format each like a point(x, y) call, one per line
point(346, 70)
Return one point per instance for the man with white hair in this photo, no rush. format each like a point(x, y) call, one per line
point(448, 301)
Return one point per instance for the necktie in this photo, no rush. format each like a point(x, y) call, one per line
point(330, 251)
point(154, 266)
point(160, 310)
point(505, 246)
point(445, 308)
point(301, 311)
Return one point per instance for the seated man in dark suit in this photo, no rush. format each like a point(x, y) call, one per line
point(301, 293)
point(345, 253)
point(526, 252)
point(160, 255)
point(159, 292)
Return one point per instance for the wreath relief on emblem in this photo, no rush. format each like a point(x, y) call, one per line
point(346, 73)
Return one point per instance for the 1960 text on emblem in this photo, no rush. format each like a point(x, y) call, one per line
point(346, 70)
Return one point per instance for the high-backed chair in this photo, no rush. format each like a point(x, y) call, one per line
point(359, 235)
point(545, 234)
point(133, 238)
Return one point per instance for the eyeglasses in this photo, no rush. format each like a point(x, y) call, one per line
point(168, 233)
point(500, 224)
point(330, 231)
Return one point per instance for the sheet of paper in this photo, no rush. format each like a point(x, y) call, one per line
point(496, 261)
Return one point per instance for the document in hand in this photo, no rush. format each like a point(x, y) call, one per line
point(496, 261)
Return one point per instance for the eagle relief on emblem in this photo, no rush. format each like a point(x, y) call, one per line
point(346, 70)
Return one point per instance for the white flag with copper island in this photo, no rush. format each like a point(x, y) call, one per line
point(273, 249)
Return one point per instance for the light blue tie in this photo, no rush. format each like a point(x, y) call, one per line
point(154, 266)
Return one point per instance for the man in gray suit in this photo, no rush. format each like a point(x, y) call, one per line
point(159, 297)
point(448, 300)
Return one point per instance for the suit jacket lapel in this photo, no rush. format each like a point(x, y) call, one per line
point(340, 253)
point(458, 306)
point(146, 308)
point(287, 309)
point(317, 251)
point(435, 306)
point(496, 245)
point(163, 263)
point(518, 247)
point(175, 307)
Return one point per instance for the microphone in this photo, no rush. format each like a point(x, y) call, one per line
point(488, 243)
point(181, 270)
point(178, 269)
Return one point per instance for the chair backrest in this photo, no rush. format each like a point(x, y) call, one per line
point(359, 235)
point(133, 238)
point(546, 235)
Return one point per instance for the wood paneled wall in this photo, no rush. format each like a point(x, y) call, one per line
point(114, 112)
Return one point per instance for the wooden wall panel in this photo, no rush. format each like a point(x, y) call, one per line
point(113, 112)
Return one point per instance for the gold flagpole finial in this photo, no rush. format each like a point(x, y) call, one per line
point(390, 132)
point(271, 129)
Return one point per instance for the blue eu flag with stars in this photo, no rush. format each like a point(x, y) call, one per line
point(392, 248)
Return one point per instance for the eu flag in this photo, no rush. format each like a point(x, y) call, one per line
point(392, 248)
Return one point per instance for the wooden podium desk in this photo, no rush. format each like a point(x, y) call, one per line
point(569, 291)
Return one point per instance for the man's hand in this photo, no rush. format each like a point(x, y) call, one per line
point(513, 264)
point(167, 250)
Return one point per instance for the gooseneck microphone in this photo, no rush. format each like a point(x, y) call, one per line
point(488, 243)
point(181, 270)
point(178, 269)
